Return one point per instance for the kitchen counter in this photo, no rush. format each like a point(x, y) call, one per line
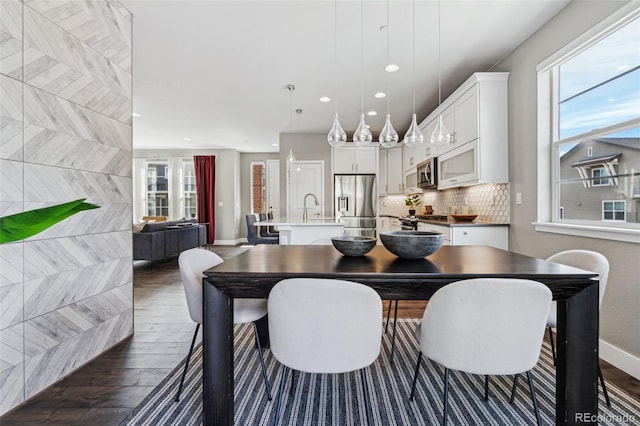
point(301, 233)
point(458, 223)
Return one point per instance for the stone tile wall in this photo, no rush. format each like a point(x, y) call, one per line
point(491, 202)
point(65, 133)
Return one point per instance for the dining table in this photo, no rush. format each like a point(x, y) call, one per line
point(254, 272)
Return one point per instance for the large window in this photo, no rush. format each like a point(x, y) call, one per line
point(594, 128)
point(258, 188)
point(158, 188)
point(188, 186)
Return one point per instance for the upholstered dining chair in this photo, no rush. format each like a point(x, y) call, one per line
point(589, 261)
point(272, 229)
point(321, 325)
point(265, 230)
point(485, 326)
point(252, 234)
point(192, 263)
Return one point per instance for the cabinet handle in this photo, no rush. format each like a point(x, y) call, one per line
point(454, 180)
point(464, 232)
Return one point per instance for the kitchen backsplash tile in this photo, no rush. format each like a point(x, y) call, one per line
point(489, 201)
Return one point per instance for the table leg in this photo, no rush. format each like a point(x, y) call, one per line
point(217, 371)
point(577, 362)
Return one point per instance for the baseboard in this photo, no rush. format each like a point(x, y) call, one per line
point(620, 359)
point(230, 242)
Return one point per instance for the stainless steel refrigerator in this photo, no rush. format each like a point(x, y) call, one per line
point(355, 203)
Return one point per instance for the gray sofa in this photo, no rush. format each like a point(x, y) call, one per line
point(162, 240)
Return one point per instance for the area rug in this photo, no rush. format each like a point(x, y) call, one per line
point(321, 399)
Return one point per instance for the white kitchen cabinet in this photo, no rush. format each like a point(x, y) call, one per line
point(382, 172)
point(395, 224)
point(410, 157)
point(460, 166)
point(355, 159)
point(383, 224)
point(394, 171)
point(461, 119)
point(467, 235)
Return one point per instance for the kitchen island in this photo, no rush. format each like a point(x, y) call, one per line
point(303, 233)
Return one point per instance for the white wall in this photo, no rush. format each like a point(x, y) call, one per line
point(619, 315)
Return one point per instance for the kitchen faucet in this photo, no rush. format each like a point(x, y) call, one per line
point(304, 213)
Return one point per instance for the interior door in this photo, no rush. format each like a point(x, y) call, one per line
point(273, 187)
point(305, 177)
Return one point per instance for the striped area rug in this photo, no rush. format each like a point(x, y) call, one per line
point(321, 399)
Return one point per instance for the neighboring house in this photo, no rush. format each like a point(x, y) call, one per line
point(607, 186)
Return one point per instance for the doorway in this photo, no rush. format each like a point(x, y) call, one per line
point(304, 177)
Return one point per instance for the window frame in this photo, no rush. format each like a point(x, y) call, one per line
point(148, 193)
point(614, 210)
point(600, 178)
point(548, 210)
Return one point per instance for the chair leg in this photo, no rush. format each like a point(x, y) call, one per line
point(513, 389)
point(283, 380)
point(186, 365)
point(486, 387)
point(446, 396)
point(533, 397)
point(388, 316)
point(553, 348)
point(393, 336)
point(264, 369)
point(293, 382)
point(604, 387)
point(365, 389)
point(415, 376)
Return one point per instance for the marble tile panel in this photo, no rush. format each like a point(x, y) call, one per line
point(63, 65)
point(11, 305)
point(11, 182)
point(11, 121)
point(11, 264)
point(53, 148)
point(52, 292)
point(48, 366)
point(11, 387)
point(53, 256)
point(11, 346)
point(52, 112)
point(11, 38)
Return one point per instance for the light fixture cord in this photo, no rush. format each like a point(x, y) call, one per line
point(361, 56)
point(413, 31)
point(291, 110)
point(439, 82)
point(335, 48)
point(388, 59)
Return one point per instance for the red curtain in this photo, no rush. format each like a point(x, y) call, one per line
point(205, 168)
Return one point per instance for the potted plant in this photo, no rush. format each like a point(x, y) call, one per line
point(413, 200)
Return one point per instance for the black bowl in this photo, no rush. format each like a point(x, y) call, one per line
point(353, 246)
point(412, 244)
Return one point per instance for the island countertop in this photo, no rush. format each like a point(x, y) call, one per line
point(313, 231)
point(323, 221)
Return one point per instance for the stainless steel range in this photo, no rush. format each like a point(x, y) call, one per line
point(409, 223)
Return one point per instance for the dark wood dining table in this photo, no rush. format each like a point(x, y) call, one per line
point(253, 273)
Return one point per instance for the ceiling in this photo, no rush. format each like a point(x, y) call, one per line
point(215, 71)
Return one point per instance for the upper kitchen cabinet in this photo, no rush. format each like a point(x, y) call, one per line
point(395, 175)
point(354, 159)
point(476, 117)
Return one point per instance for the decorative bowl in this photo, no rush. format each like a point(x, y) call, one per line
point(464, 217)
point(412, 244)
point(353, 246)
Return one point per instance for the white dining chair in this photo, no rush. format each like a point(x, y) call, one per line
point(321, 325)
point(589, 261)
point(486, 326)
point(192, 263)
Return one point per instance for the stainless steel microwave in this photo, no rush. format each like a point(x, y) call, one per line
point(428, 174)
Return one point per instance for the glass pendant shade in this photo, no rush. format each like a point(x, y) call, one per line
point(291, 158)
point(414, 135)
point(337, 135)
point(388, 136)
point(440, 135)
point(363, 135)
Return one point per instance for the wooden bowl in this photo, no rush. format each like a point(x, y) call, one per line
point(464, 217)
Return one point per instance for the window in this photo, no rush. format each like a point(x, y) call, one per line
point(188, 186)
point(158, 188)
point(258, 188)
point(614, 210)
point(589, 117)
point(597, 177)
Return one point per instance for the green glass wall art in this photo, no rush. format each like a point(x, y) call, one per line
point(23, 225)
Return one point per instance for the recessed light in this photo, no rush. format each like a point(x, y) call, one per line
point(372, 113)
point(380, 95)
point(325, 99)
point(187, 139)
point(274, 144)
point(135, 114)
point(368, 126)
point(391, 68)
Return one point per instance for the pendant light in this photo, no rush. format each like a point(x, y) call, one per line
point(291, 88)
point(337, 135)
point(388, 135)
point(363, 135)
point(414, 135)
point(440, 135)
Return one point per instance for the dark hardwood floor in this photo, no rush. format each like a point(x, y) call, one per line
point(105, 390)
